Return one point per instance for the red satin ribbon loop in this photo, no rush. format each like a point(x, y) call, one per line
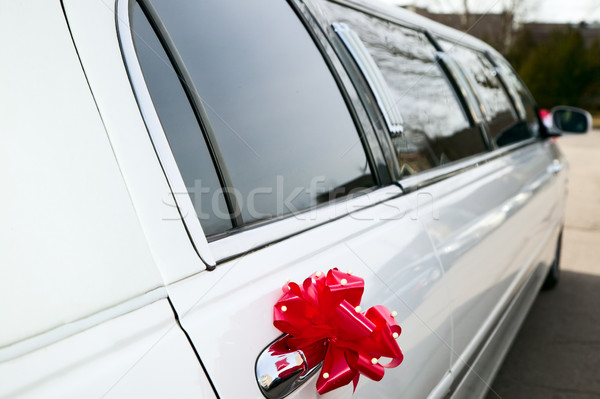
point(322, 319)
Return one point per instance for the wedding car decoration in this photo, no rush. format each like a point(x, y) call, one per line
point(323, 318)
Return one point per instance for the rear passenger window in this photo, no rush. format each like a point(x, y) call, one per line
point(504, 125)
point(280, 130)
point(436, 129)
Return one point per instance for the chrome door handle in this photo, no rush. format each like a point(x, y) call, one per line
point(555, 167)
point(279, 370)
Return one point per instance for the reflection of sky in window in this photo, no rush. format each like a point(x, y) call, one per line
point(406, 59)
point(480, 71)
point(525, 100)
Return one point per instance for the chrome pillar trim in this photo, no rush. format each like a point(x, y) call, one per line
point(157, 135)
point(370, 70)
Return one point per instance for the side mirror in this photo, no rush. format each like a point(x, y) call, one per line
point(570, 120)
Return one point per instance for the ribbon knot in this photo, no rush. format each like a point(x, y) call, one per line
point(323, 319)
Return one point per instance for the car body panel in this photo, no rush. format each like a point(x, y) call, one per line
point(228, 313)
point(142, 353)
point(474, 381)
point(71, 242)
point(94, 30)
point(481, 211)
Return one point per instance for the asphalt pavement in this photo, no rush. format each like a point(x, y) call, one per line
point(556, 354)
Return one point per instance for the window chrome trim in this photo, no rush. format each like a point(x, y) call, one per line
point(357, 88)
point(343, 77)
point(242, 242)
point(374, 77)
point(434, 175)
point(510, 90)
point(375, 10)
point(158, 137)
point(464, 86)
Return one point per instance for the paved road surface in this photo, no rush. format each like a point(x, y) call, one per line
point(556, 354)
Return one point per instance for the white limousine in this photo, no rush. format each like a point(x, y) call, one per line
point(169, 165)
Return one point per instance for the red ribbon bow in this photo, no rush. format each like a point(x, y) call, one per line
point(324, 320)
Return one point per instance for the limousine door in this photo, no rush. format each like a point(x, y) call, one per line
point(501, 219)
point(227, 313)
point(495, 226)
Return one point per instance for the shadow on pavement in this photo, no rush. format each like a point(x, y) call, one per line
point(557, 351)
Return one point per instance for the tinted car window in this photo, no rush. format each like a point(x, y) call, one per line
point(284, 130)
point(436, 130)
point(181, 128)
point(503, 123)
point(527, 106)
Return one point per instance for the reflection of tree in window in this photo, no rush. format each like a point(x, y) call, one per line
point(525, 100)
point(436, 130)
point(504, 125)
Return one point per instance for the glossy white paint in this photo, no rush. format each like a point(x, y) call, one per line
point(249, 240)
point(94, 30)
point(141, 354)
point(481, 214)
point(82, 302)
point(484, 364)
point(71, 243)
point(69, 329)
point(228, 312)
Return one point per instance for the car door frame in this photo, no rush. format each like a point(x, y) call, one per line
point(230, 248)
